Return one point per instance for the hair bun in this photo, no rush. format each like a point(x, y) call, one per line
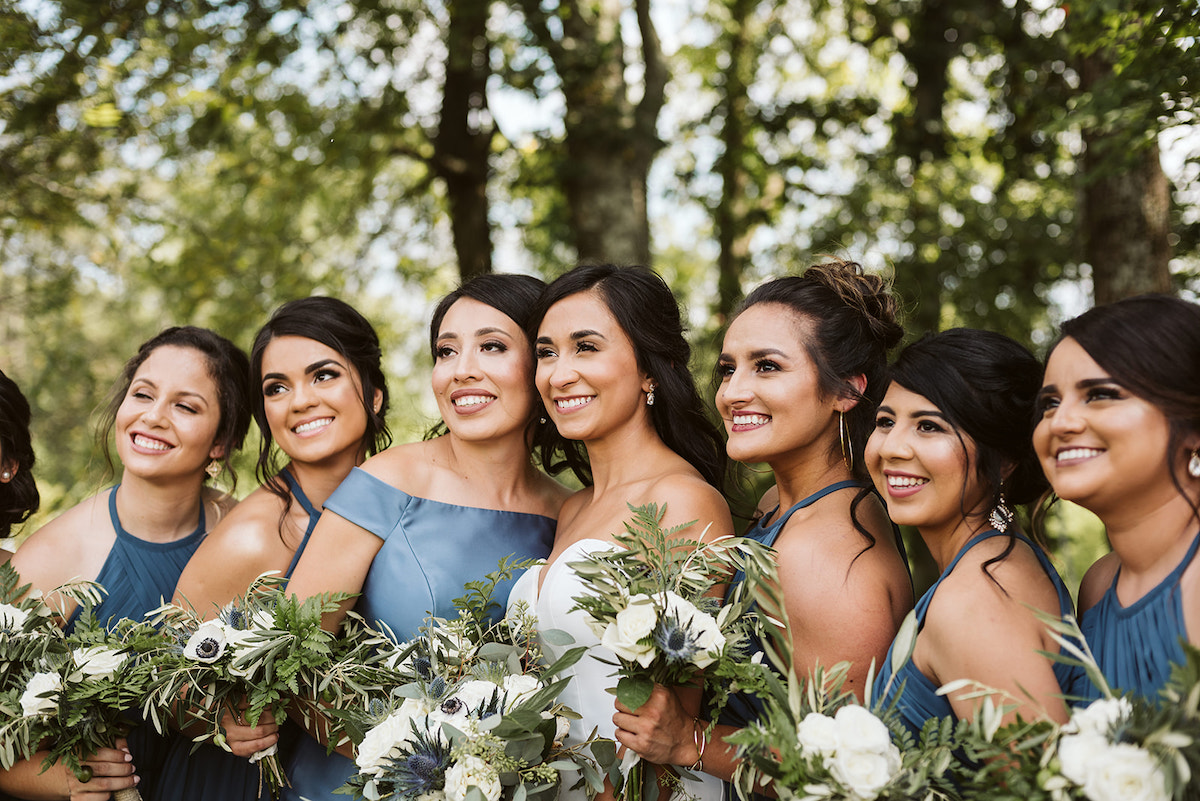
point(869, 295)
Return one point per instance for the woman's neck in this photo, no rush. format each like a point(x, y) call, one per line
point(945, 543)
point(1151, 540)
point(628, 455)
point(499, 468)
point(799, 478)
point(159, 512)
point(318, 481)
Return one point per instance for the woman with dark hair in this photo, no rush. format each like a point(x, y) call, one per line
point(1119, 434)
point(951, 455)
point(180, 412)
point(612, 369)
point(417, 521)
point(18, 492)
point(320, 401)
point(802, 367)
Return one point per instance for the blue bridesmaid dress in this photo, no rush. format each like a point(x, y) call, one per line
point(919, 700)
point(211, 773)
point(430, 550)
point(1135, 645)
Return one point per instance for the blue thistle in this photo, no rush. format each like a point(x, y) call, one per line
point(423, 666)
point(674, 641)
point(421, 766)
point(437, 687)
point(234, 617)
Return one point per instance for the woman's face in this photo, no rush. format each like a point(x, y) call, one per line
point(167, 424)
point(587, 371)
point(312, 398)
point(920, 466)
point(483, 372)
point(770, 396)
point(1100, 445)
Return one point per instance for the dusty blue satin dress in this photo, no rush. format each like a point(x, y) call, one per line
point(1135, 645)
point(919, 700)
point(430, 550)
point(210, 773)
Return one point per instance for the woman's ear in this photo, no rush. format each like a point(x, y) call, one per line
point(377, 403)
point(856, 386)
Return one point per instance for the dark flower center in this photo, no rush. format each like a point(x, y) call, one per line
point(452, 706)
point(208, 648)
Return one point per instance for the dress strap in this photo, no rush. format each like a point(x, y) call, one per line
point(314, 515)
point(1171, 578)
point(811, 499)
point(123, 534)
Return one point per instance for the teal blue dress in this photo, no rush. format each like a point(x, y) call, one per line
point(210, 773)
point(430, 550)
point(919, 700)
point(1135, 645)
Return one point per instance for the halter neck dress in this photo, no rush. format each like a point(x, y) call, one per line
point(210, 773)
point(919, 700)
point(430, 550)
point(1135, 645)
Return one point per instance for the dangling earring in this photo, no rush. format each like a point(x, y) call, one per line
point(213, 468)
point(1002, 516)
point(844, 438)
point(1193, 464)
point(650, 396)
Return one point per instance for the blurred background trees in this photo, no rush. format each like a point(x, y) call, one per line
point(200, 161)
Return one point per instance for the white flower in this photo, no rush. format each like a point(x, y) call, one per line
point(379, 742)
point(1077, 751)
point(638, 619)
point(707, 636)
point(817, 734)
point(207, 644)
point(517, 687)
point(859, 730)
point(12, 617)
point(864, 773)
point(1126, 773)
point(98, 662)
point(432, 795)
point(1099, 716)
point(41, 694)
point(630, 651)
point(471, 772)
point(476, 693)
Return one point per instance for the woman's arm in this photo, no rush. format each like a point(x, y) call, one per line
point(112, 770)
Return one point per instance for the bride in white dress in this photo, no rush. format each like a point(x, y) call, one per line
point(612, 370)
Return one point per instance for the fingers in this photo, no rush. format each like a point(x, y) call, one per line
point(112, 769)
point(247, 748)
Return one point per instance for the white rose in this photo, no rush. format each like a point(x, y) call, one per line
point(864, 773)
point(471, 772)
point(12, 618)
point(638, 619)
point(630, 651)
point(707, 635)
point(1126, 773)
point(517, 687)
point(207, 644)
point(1099, 716)
point(432, 795)
point(677, 606)
point(476, 693)
point(817, 734)
point(1077, 751)
point(41, 694)
point(379, 742)
point(98, 662)
point(859, 730)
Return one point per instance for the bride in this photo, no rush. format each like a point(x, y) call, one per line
point(612, 369)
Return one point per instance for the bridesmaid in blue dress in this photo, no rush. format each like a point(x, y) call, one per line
point(180, 414)
point(802, 366)
point(320, 398)
point(950, 454)
point(1119, 434)
point(416, 522)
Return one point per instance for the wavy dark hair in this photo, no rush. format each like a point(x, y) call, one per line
point(19, 495)
point(336, 325)
point(644, 307)
point(516, 297)
point(227, 367)
point(986, 386)
point(1150, 344)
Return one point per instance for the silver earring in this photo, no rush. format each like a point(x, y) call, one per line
point(1001, 517)
point(1193, 464)
point(650, 397)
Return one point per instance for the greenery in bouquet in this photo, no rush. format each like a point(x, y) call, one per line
point(1116, 747)
point(467, 711)
point(33, 653)
point(262, 651)
point(652, 602)
point(814, 740)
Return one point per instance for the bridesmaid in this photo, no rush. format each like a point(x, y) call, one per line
point(18, 492)
point(1119, 434)
point(180, 414)
point(321, 400)
point(613, 371)
point(417, 521)
point(802, 367)
point(950, 453)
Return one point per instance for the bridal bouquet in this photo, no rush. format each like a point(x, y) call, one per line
point(260, 652)
point(651, 604)
point(471, 714)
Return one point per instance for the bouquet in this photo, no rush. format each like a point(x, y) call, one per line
point(467, 712)
point(650, 603)
point(263, 650)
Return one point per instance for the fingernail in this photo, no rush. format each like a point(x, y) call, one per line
point(128, 756)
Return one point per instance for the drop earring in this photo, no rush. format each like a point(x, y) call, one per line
point(1002, 516)
point(650, 396)
point(213, 469)
point(1193, 467)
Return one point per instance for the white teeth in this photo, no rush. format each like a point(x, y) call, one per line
point(150, 444)
point(312, 425)
point(906, 481)
point(1077, 453)
point(750, 419)
point(472, 400)
point(572, 403)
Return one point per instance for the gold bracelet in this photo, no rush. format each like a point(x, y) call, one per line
point(701, 743)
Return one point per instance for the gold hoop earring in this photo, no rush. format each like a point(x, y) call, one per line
point(843, 438)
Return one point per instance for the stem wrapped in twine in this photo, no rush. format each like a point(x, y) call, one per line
point(128, 794)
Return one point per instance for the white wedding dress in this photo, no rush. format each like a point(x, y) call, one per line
point(586, 694)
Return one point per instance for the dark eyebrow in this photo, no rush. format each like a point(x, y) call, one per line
point(928, 413)
point(312, 368)
point(758, 354)
point(587, 332)
point(1088, 383)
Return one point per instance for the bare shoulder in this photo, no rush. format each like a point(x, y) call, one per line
point(405, 467)
point(551, 494)
point(574, 504)
point(249, 531)
point(689, 497)
point(1096, 581)
point(72, 545)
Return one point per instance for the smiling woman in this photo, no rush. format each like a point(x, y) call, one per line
point(183, 407)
